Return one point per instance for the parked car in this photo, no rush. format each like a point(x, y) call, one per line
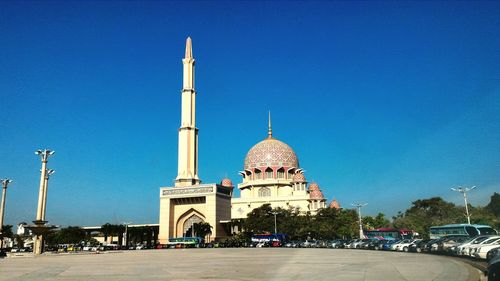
point(474, 248)
point(417, 246)
point(395, 246)
point(446, 244)
point(493, 253)
point(494, 269)
point(404, 246)
point(388, 244)
point(463, 248)
point(482, 251)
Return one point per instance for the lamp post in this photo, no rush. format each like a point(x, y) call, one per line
point(42, 197)
point(46, 186)
point(126, 233)
point(464, 191)
point(5, 183)
point(359, 205)
point(275, 225)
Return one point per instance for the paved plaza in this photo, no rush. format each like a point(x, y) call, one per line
point(238, 264)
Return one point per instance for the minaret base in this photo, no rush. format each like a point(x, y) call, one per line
point(187, 182)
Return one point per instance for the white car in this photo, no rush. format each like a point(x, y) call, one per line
point(405, 245)
point(473, 248)
point(395, 246)
point(463, 249)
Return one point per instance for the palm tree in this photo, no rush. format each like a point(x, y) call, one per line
point(202, 229)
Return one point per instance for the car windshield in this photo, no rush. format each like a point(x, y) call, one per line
point(486, 231)
point(479, 240)
point(490, 240)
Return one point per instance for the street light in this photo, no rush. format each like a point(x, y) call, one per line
point(5, 183)
point(40, 221)
point(44, 155)
point(126, 233)
point(46, 187)
point(275, 225)
point(464, 191)
point(359, 205)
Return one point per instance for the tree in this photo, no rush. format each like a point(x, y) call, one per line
point(425, 213)
point(202, 229)
point(70, 235)
point(7, 231)
point(494, 206)
point(259, 220)
point(375, 222)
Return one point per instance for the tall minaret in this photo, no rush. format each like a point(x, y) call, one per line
point(188, 133)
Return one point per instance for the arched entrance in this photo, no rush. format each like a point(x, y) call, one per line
point(186, 221)
point(188, 228)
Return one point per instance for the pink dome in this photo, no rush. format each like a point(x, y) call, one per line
point(226, 182)
point(271, 152)
point(316, 194)
point(334, 204)
point(313, 186)
point(299, 177)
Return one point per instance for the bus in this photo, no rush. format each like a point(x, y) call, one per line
point(268, 237)
point(185, 242)
point(470, 230)
point(389, 233)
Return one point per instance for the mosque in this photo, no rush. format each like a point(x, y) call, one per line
point(271, 175)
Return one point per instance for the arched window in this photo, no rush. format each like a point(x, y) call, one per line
point(269, 173)
point(281, 173)
point(258, 174)
point(264, 192)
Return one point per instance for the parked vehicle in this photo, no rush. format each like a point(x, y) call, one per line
point(404, 246)
point(389, 233)
point(474, 248)
point(388, 244)
point(470, 230)
point(418, 246)
point(463, 249)
point(446, 244)
point(494, 269)
point(395, 246)
point(481, 252)
point(495, 252)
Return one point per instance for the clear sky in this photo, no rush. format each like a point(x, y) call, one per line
point(383, 102)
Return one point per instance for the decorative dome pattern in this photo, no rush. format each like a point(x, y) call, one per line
point(271, 152)
point(334, 204)
point(313, 186)
point(299, 177)
point(226, 182)
point(316, 194)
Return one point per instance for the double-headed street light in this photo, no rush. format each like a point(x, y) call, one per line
point(40, 223)
point(359, 205)
point(464, 191)
point(5, 183)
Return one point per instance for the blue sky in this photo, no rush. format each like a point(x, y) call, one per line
point(383, 102)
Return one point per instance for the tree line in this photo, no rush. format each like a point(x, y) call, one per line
point(327, 223)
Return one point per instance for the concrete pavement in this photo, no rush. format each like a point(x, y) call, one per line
point(239, 264)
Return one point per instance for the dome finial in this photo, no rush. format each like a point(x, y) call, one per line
point(269, 129)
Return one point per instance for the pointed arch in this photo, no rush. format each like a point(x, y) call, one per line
point(179, 226)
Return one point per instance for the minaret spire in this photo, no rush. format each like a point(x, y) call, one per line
point(188, 133)
point(269, 127)
point(189, 49)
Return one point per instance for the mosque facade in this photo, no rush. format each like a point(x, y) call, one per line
point(271, 175)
